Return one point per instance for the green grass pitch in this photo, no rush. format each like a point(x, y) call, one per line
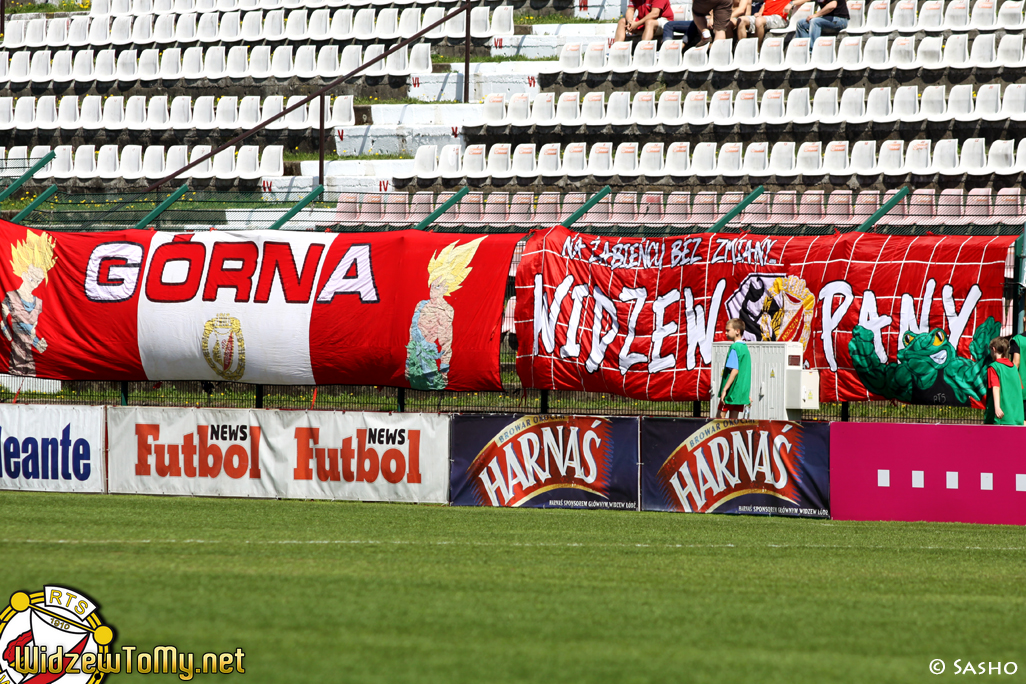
point(349, 592)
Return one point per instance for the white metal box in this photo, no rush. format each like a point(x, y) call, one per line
point(776, 379)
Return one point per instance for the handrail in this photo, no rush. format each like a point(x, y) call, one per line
point(882, 211)
point(9, 190)
point(433, 216)
point(163, 206)
point(43, 196)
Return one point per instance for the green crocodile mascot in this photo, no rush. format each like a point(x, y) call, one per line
point(929, 369)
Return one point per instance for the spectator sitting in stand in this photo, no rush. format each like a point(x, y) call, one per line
point(769, 15)
point(831, 18)
point(644, 16)
point(739, 16)
point(687, 27)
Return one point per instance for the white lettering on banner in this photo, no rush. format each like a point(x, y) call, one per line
point(361, 283)
point(52, 448)
point(701, 325)
point(743, 251)
point(909, 320)
point(529, 462)
point(112, 273)
point(286, 454)
point(176, 272)
point(870, 319)
point(683, 252)
point(832, 317)
point(720, 469)
point(703, 321)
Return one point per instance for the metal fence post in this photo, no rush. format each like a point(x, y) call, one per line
point(163, 206)
point(259, 396)
point(466, 57)
point(297, 208)
point(43, 196)
point(1017, 302)
point(433, 216)
point(7, 192)
point(882, 211)
point(729, 216)
point(592, 201)
point(845, 414)
point(320, 168)
point(124, 394)
point(400, 400)
point(544, 408)
point(696, 409)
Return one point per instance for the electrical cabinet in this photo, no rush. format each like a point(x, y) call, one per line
point(777, 380)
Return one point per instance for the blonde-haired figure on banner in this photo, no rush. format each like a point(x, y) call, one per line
point(429, 351)
point(31, 259)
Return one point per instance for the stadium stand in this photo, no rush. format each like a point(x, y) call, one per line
point(929, 93)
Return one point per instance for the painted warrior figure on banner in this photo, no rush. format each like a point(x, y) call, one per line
point(929, 369)
point(31, 259)
point(429, 351)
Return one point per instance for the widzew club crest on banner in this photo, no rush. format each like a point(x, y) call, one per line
point(224, 347)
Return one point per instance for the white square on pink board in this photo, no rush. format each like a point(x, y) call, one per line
point(883, 478)
point(1020, 482)
point(986, 481)
point(952, 480)
point(917, 479)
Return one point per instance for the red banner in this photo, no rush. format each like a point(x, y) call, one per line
point(403, 309)
point(900, 317)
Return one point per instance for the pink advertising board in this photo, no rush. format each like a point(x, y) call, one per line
point(938, 473)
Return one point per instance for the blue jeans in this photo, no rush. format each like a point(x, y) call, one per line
point(686, 27)
point(828, 25)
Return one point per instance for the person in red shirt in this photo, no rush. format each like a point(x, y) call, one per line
point(772, 15)
point(644, 17)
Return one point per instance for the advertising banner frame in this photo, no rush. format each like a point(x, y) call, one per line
point(545, 461)
point(64, 445)
point(299, 454)
point(767, 467)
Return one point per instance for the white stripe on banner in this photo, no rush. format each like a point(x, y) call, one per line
point(220, 318)
point(52, 448)
point(289, 454)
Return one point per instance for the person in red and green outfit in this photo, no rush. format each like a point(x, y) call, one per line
point(1004, 388)
point(736, 385)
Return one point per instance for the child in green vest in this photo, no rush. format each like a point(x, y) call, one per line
point(736, 383)
point(1016, 346)
point(1004, 388)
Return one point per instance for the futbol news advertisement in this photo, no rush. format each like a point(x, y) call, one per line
point(545, 461)
point(52, 448)
point(766, 467)
point(285, 454)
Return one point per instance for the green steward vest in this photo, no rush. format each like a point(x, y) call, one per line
point(739, 393)
point(1011, 397)
point(1021, 341)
